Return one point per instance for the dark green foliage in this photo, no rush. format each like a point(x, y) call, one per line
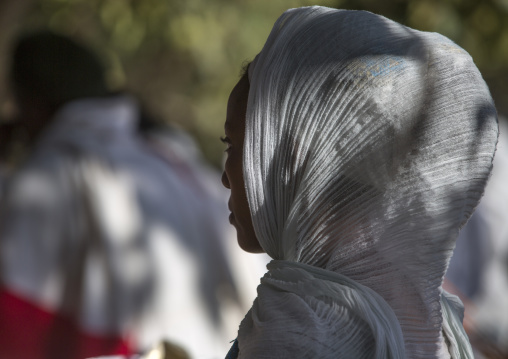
point(182, 57)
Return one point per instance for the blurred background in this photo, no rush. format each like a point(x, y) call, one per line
point(182, 57)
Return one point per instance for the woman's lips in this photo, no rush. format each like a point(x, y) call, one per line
point(231, 216)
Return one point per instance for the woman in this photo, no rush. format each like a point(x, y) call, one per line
point(357, 149)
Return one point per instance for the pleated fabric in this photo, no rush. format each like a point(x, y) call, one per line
point(367, 147)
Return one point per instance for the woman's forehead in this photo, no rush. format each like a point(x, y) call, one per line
point(237, 104)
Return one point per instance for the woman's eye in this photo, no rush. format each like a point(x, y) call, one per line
point(227, 141)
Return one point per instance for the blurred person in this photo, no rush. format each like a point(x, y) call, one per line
point(105, 247)
point(357, 148)
point(478, 270)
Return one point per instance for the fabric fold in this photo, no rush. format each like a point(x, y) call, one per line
point(367, 147)
point(301, 299)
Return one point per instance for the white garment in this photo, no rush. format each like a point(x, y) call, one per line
point(479, 268)
point(150, 245)
point(367, 146)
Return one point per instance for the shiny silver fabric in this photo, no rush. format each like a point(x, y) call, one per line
point(368, 145)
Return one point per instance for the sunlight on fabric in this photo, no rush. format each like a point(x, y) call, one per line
point(113, 196)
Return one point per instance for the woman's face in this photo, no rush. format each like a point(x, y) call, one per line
point(232, 177)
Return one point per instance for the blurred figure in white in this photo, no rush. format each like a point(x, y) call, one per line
point(478, 270)
point(109, 243)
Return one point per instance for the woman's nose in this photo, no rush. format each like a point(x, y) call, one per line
point(225, 180)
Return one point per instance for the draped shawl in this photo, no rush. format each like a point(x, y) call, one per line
point(367, 146)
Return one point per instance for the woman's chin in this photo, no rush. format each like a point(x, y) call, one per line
point(250, 245)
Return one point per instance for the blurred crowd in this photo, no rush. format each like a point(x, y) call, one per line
point(114, 234)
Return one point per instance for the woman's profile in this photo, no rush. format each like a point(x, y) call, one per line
point(357, 149)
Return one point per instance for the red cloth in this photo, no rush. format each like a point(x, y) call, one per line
point(28, 331)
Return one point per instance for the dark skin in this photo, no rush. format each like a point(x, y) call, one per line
point(232, 177)
point(34, 113)
point(29, 118)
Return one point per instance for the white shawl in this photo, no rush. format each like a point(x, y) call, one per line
point(367, 146)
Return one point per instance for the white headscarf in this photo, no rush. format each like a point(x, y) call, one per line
point(367, 146)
